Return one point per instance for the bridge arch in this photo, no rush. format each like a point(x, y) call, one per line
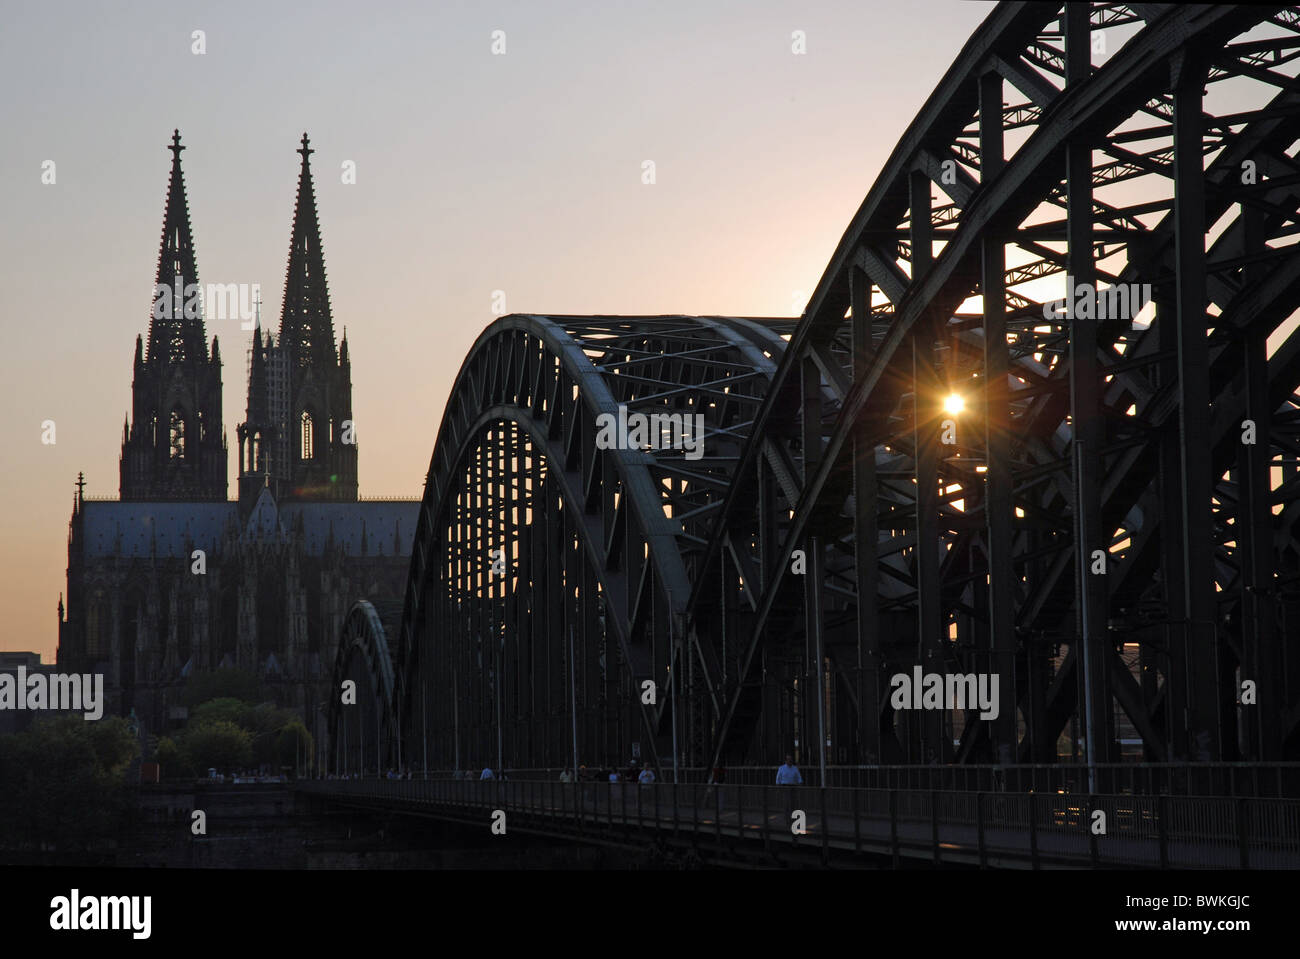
point(1093, 529)
point(363, 734)
point(1031, 164)
point(551, 567)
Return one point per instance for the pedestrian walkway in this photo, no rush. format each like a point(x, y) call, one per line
point(996, 829)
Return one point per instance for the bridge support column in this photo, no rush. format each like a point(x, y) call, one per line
point(1262, 723)
point(865, 537)
point(1196, 643)
point(933, 746)
point(1092, 633)
point(998, 506)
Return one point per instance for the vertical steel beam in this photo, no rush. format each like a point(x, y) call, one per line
point(866, 536)
point(1197, 640)
point(925, 399)
point(815, 617)
point(813, 685)
point(998, 506)
point(1262, 723)
point(1085, 416)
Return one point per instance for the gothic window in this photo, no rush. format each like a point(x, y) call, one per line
point(177, 435)
point(306, 435)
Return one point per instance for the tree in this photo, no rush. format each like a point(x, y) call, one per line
point(294, 746)
point(64, 784)
point(219, 745)
point(263, 722)
point(226, 709)
point(175, 764)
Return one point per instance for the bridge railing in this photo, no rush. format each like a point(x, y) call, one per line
point(977, 827)
point(1277, 780)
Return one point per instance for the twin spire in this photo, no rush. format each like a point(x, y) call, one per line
point(306, 324)
point(300, 405)
point(174, 337)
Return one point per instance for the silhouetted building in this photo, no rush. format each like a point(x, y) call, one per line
point(298, 438)
point(173, 579)
point(174, 448)
point(19, 665)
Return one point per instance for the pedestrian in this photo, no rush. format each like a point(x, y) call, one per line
point(565, 775)
point(716, 780)
point(613, 776)
point(487, 773)
point(788, 775)
point(647, 776)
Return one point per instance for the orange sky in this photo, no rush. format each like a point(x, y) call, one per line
point(475, 173)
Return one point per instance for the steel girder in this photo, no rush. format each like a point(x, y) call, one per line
point(363, 733)
point(549, 574)
point(1111, 443)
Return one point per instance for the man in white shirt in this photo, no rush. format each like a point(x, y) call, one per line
point(788, 775)
point(647, 776)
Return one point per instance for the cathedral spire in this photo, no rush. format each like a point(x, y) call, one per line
point(175, 332)
point(306, 327)
point(174, 448)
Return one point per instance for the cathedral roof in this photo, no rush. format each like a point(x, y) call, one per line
point(380, 523)
point(135, 528)
point(264, 520)
point(375, 528)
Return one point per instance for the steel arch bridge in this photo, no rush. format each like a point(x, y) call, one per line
point(1087, 236)
point(363, 730)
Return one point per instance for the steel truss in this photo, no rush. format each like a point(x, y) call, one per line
point(550, 576)
point(1094, 528)
point(1112, 443)
point(363, 732)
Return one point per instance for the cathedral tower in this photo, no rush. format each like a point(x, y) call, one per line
point(298, 437)
point(173, 447)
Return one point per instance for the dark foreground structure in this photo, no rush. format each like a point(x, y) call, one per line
point(172, 580)
point(1037, 429)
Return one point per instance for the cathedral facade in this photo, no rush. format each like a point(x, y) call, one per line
point(173, 578)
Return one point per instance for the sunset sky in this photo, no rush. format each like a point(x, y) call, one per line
point(475, 172)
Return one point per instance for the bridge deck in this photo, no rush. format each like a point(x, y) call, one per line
point(1031, 830)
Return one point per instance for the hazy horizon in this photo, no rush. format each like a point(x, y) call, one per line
point(475, 173)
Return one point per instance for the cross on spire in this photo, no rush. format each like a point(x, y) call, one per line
point(176, 147)
point(305, 149)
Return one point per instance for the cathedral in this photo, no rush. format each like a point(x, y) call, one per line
point(173, 578)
